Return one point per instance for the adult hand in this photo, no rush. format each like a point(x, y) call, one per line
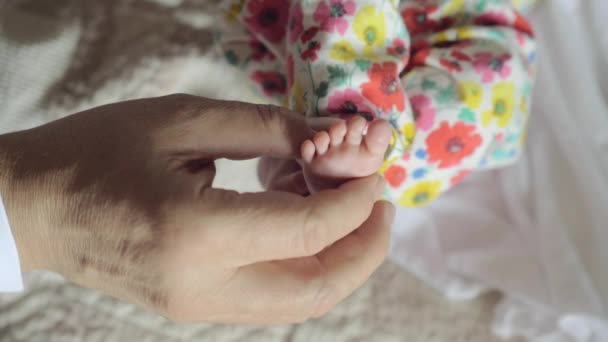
point(119, 198)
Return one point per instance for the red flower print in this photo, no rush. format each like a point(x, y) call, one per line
point(398, 49)
point(420, 52)
point(459, 46)
point(309, 34)
point(311, 51)
point(491, 19)
point(521, 38)
point(260, 51)
point(296, 19)
point(272, 82)
point(459, 177)
point(461, 56)
point(421, 45)
point(384, 89)
point(451, 66)
point(268, 18)
point(450, 144)
point(290, 71)
point(488, 65)
point(418, 20)
point(424, 113)
point(331, 18)
point(348, 102)
point(522, 25)
point(395, 175)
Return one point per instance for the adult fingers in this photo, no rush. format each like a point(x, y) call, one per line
point(237, 130)
point(352, 260)
point(294, 290)
point(321, 123)
point(278, 225)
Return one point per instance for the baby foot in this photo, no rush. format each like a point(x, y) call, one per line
point(344, 152)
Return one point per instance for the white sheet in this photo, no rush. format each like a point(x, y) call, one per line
point(536, 231)
point(10, 269)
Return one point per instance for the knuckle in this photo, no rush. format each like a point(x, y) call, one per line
point(182, 107)
point(159, 301)
point(271, 116)
point(177, 312)
point(323, 301)
point(315, 297)
point(189, 107)
point(177, 317)
point(266, 112)
point(174, 315)
point(310, 238)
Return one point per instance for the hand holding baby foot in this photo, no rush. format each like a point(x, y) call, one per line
point(343, 152)
point(119, 198)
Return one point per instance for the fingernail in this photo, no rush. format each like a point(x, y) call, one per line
point(380, 186)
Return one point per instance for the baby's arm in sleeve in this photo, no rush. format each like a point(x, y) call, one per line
point(468, 81)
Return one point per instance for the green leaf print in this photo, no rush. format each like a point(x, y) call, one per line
point(231, 57)
point(500, 154)
point(321, 91)
point(362, 64)
point(497, 34)
point(445, 95)
point(466, 115)
point(428, 84)
point(337, 75)
point(480, 6)
point(513, 138)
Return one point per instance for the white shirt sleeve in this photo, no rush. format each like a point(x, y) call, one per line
point(10, 269)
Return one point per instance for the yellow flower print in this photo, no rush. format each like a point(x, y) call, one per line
point(523, 106)
point(393, 142)
point(343, 51)
point(297, 97)
point(370, 28)
point(409, 131)
point(502, 106)
point(440, 37)
point(464, 33)
point(523, 5)
point(453, 7)
point(233, 12)
point(523, 135)
point(420, 194)
point(471, 93)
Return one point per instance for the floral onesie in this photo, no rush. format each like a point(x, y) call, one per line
point(452, 77)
